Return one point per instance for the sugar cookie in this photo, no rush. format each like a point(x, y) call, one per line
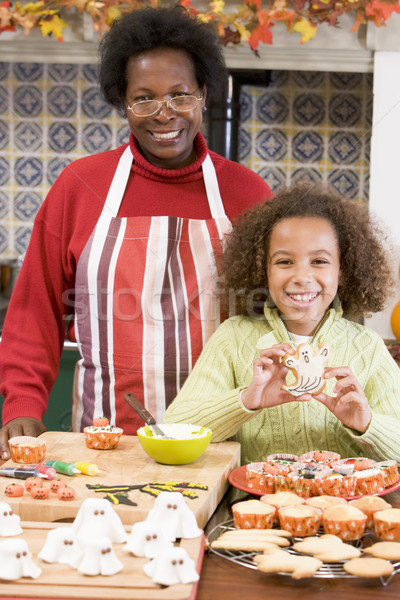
point(317, 545)
point(308, 369)
point(369, 567)
point(386, 550)
point(280, 561)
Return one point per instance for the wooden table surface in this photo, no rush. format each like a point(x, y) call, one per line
point(224, 580)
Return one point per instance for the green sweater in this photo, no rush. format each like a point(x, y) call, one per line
point(211, 394)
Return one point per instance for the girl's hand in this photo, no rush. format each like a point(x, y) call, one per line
point(269, 376)
point(350, 404)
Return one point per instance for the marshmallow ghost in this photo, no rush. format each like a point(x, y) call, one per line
point(146, 539)
point(173, 517)
point(61, 546)
point(171, 567)
point(96, 517)
point(98, 557)
point(16, 560)
point(9, 522)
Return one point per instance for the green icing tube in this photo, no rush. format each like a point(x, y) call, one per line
point(62, 467)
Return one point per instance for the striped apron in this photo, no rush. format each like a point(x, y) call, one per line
point(146, 302)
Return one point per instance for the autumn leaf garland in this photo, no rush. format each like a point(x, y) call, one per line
point(251, 22)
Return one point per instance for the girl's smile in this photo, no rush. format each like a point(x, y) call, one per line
point(303, 269)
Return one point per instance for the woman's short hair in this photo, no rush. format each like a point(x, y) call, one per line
point(152, 28)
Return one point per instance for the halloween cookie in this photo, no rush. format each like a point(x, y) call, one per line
point(308, 368)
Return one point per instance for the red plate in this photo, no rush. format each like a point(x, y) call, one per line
point(237, 478)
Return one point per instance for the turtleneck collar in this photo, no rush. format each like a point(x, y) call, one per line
point(193, 171)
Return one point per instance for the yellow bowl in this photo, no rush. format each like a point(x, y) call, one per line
point(192, 443)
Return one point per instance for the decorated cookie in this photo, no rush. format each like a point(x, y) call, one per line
point(308, 369)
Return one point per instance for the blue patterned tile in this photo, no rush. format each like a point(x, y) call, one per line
point(344, 182)
point(272, 107)
point(4, 241)
point(308, 79)
point(27, 71)
point(4, 135)
point(62, 73)
point(4, 100)
point(90, 73)
point(62, 101)
point(278, 78)
point(4, 170)
point(344, 147)
point(305, 176)
point(28, 101)
point(97, 138)
point(3, 204)
point(271, 144)
point(93, 104)
point(274, 176)
point(123, 135)
point(308, 109)
point(244, 146)
point(308, 146)
point(22, 237)
point(345, 81)
point(28, 171)
point(344, 110)
point(26, 205)
point(62, 137)
point(246, 105)
point(28, 136)
point(4, 70)
point(55, 166)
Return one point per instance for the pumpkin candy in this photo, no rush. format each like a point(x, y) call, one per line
point(66, 493)
point(56, 484)
point(13, 490)
point(100, 422)
point(31, 481)
point(40, 492)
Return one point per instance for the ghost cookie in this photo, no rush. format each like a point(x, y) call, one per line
point(308, 368)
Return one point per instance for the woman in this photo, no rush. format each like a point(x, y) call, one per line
point(124, 241)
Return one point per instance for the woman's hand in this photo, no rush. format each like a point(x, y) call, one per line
point(18, 426)
point(269, 374)
point(350, 405)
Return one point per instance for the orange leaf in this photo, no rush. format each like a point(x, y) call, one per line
point(359, 20)
point(261, 33)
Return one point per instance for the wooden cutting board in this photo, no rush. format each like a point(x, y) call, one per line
point(128, 464)
point(61, 581)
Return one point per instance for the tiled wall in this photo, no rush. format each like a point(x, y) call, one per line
point(310, 125)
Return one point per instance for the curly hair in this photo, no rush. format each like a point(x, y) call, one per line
point(152, 28)
point(366, 274)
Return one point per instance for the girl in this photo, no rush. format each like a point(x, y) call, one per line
point(308, 258)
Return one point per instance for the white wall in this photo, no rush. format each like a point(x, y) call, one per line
point(385, 162)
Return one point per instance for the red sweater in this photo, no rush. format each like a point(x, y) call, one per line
point(34, 329)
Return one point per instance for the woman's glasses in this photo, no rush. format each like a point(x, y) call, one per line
point(146, 108)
